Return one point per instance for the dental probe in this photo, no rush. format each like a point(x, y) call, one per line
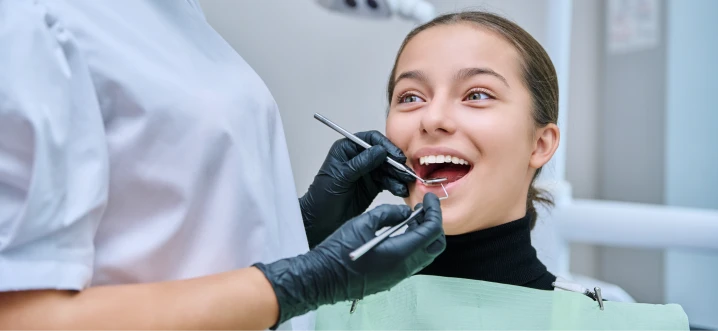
point(362, 143)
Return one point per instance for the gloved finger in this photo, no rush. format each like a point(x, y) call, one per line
point(417, 247)
point(419, 238)
point(422, 258)
point(403, 176)
point(345, 149)
point(432, 207)
point(428, 233)
point(363, 163)
point(392, 179)
point(385, 215)
point(411, 225)
point(437, 246)
point(394, 186)
point(432, 212)
point(414, 223)
point(376, 138)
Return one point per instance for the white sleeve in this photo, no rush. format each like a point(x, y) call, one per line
point(53, 154)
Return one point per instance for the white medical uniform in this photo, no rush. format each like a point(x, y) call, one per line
point(135, 146)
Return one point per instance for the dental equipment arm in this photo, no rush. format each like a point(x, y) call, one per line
point(419, 11)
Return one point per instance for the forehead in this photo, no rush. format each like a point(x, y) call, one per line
point(445, 49)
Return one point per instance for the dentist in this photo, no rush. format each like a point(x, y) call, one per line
point(145, 182)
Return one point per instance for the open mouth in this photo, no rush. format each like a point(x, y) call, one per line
point(450, 167)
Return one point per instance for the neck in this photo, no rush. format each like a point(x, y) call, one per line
point(500, 254)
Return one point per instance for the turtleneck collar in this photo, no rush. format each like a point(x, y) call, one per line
point(501, 254)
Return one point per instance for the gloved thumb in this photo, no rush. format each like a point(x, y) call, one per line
point(364, 163)
point(432, 214)
point(432, 207)
point(387, 215)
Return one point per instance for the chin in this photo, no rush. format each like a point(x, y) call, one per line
point(454, 224)
point(453, 228)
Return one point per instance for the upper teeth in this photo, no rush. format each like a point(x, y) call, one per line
point(429, 159)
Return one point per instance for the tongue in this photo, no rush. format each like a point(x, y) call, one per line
point(452, 172)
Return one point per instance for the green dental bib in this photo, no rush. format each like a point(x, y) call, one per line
point(440, 303)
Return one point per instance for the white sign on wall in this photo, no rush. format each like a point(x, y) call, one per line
point(632, 25)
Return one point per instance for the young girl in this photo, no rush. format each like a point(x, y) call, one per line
point(474, 98)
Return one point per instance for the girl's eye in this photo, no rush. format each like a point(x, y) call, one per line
point(409, 98)
point(476, 96)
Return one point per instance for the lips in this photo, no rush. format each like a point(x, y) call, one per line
point(441, 163)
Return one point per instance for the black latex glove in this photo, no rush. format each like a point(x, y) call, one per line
point(348, 181)
point(326, 275)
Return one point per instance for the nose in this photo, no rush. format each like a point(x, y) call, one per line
point(437, 120)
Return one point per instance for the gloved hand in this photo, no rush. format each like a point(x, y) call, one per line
point(326, 275)
point(348, 181)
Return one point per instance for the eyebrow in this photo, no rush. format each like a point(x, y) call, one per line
point(470, 72)
point(413, 75)
point(463, 74)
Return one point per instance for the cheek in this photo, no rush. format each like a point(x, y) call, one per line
point(401, 129)
point(504, 146)
point(500, 138)
point(398, 130)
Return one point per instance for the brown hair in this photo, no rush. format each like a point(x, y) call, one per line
point(538, 72)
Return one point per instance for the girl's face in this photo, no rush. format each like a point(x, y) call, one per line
point(461, 110)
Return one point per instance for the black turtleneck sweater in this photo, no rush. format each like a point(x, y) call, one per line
point(501, 254)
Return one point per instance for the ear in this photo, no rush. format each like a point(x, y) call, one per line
point(547, 140)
